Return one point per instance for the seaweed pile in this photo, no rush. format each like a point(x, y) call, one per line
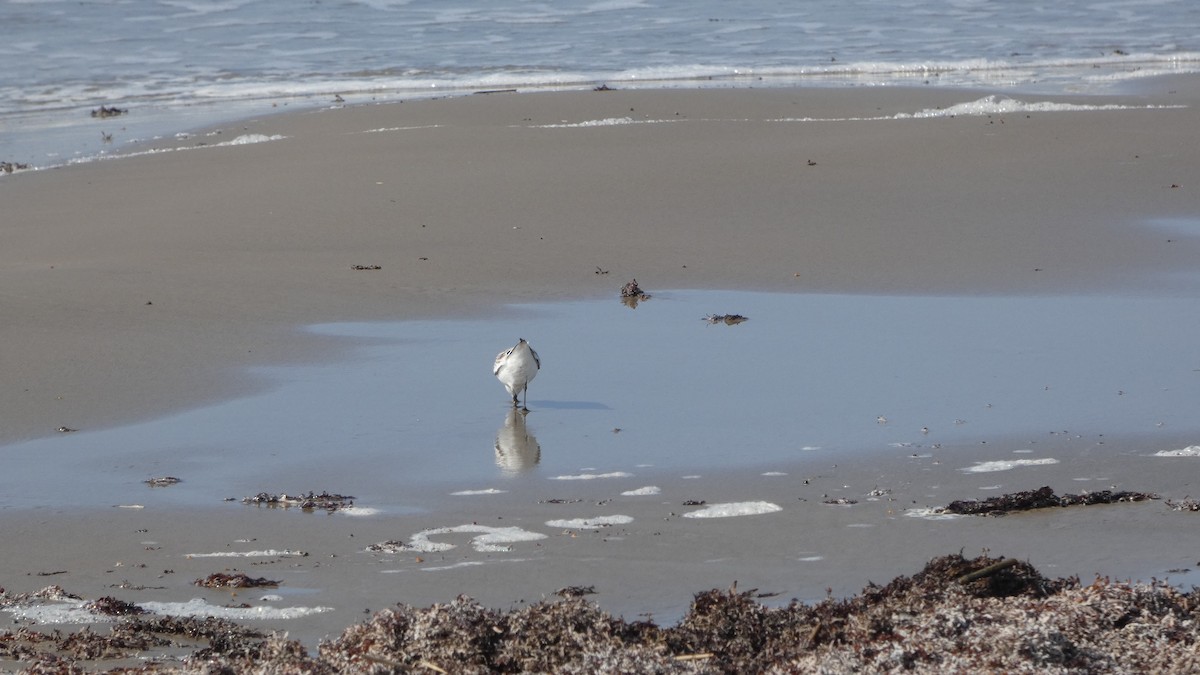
point(1041, 498)
point(955, 615)
point(325, 501)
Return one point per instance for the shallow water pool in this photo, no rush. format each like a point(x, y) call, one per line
point(621, 389)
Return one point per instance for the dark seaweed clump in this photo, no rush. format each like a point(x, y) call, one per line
point(956, 615)
point(235, 580)
point(325, 501)
point(1041, 498)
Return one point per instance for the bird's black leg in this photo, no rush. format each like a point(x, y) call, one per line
point(514, 400)
point(525, 406)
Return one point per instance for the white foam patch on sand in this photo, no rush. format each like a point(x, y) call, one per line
point(593, 476)
point(1190, 451)
point(250, 139)
point(1008, 464)
point(268, 553)
point(76, 612)
point(589, 523)
point(811, 558)
point(999, 105)
point(490, 539)
point(358, 511)
point(774, 473)
point(642, 491)
point(387, 129)
point(58, 613)
point(199, 607)
point(467, 563)
point(932, 514)
point(988, 105)
point(486, 491)
point(606, 122)
point(734, 509)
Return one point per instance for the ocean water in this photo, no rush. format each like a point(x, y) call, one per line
point(181, 64)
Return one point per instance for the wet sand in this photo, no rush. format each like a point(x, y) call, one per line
point(147, 285)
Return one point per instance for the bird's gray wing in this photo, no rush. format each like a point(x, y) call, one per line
point(535, 358)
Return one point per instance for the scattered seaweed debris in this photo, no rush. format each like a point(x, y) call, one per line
point(632, 290)
point(110, 606)
point(163, 481)
point(104, 112)
point(1041, 498)
point(9, 167)
point(1186, 504)
point(307, 502)
point(727, 319)
point(694, 502)
point(841, 501)
point(235, 580)
point(154, 640)
point(365, 267)
point(65, 430)
point(604, 87)
point(956, 615)
point(390, 546)
point(632, 294)
point(575, 591)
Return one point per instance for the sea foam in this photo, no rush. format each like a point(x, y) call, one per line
point(1008, 464)
point(733, 509)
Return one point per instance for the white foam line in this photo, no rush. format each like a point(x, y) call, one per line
point(589, 523)
point(593, 476)
point(1007, 465)
point(59, 613)
point(76, 612)
point(932, 514)
point(734, 509)
point(643, 491)
point(249, 139)
point(199, 607)
point(988, 105)
point(268, 553)
point(485, 491)
point(606, 122)
point(468, 563)
point(387, 129)
point(490, 539)
point(1190, 451)
point(245, 139)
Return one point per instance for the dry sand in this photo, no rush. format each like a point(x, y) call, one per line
point(136, 287)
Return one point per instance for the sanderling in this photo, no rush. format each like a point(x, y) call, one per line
point(515, 368)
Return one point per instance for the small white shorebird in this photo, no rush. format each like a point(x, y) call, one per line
point(515, 368)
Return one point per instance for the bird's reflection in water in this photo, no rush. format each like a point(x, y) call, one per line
point(517, 450)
